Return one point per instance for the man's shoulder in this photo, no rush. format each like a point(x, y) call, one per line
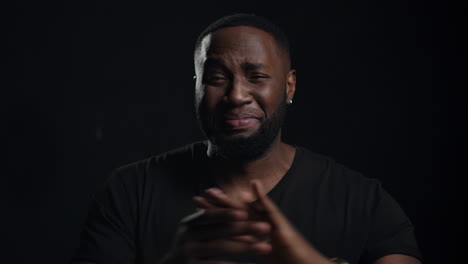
point(180, 156)
point(185, 155)
point(331, 170)
point(154, 173)
point(336, 182)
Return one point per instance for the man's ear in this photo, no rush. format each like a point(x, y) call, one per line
point(290, 86)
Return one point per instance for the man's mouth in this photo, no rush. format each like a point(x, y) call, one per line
point(240, 123)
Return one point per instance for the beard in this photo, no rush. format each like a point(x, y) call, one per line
point(243, 148)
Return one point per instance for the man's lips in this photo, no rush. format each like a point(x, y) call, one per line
point(240, 123)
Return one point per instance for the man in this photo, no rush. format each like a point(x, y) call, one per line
point(244, 195)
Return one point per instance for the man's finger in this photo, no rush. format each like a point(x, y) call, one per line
point(203, 203)
point(267, 206)
point(215, 215)
point(193, 217)
point(218, 197)
point(245, 238)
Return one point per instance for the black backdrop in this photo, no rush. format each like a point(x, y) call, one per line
point(93, 85)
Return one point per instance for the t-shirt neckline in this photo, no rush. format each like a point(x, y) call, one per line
point(275, 192)
point(283, 182)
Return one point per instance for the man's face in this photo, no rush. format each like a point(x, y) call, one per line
point(243, 83)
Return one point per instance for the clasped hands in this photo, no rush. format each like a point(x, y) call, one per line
point(226, 227)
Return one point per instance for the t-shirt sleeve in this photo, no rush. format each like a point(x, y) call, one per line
point(391, 231)
point(108, 234)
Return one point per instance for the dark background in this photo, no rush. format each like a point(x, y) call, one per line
point(92, 85)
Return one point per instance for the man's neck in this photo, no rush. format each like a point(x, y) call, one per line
point(235, 176)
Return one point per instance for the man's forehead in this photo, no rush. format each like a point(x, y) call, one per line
point(247, 43)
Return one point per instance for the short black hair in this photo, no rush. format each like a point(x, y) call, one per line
point(243, 19)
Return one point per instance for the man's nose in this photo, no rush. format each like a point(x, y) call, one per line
point(238, 93)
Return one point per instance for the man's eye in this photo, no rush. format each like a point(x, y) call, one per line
point(216, 78)
point(258, 76)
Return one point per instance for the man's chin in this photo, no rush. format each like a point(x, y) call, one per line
point(235, 135)
point(240, 146)
point(221, 140)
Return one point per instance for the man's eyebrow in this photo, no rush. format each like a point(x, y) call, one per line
point(247, 66)
point(213, 62)
point(251, 66)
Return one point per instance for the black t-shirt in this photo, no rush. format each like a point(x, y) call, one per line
point(342, 213)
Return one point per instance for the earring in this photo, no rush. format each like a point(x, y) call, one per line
point(194, 77)
point(290, 102)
